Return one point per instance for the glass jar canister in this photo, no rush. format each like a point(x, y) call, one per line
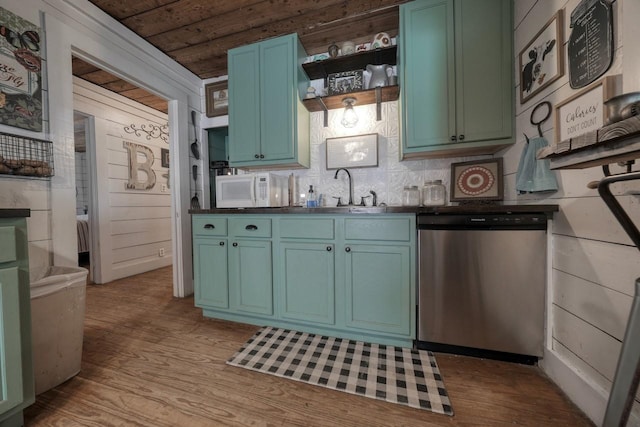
point(411, 196)
point(433, 193)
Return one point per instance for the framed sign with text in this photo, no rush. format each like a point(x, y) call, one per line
point(584, 112)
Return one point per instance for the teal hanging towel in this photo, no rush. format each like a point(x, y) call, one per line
point(534, 175)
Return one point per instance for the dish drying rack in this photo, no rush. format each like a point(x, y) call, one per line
point(25, 156)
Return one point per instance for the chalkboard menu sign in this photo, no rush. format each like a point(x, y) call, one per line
point(591, 42)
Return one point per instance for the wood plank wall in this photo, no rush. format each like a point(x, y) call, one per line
point(134, 224)
point(594, 263)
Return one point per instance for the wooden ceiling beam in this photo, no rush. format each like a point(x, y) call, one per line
point(357, 30)
point(99, 77)
point(182, 13)
point(236, 21)
point(120, 10)
point(305, 24)
point(316, 40)
point(80, 67)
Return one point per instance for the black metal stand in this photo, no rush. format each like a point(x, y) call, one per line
point(627, 377)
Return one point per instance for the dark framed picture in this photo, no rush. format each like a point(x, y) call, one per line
point(164, 157)
point(345, 82)
point(542, 59)
point(476, 180)
point(217, 97)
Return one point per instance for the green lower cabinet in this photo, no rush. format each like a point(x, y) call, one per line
point(11, 393)
point(308, 282)
point(250, 272)
point(347, 276)
point(17, 388)
point(211, 273)
point(377, 288)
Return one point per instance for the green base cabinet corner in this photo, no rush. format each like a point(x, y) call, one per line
point(457, 96)
point(268, 124)
point(17, 389)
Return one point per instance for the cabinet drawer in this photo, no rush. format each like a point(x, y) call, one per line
point(8, 244)
point(395, 229)
point(250, 227)
point(307, 228)
point(209, 225)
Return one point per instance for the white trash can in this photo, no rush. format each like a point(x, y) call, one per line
point(57, 325)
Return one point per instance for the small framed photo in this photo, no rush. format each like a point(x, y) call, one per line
point(164, 157)
point(542, 59)
point(359, 151)
point(476, 180)
point(217, 97)
point(345, 82)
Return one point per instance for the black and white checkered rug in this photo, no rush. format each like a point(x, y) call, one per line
point(394, 374)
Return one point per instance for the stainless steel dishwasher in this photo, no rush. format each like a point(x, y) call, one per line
point(482, 284)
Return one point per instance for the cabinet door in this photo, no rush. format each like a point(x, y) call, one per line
point(378, 288)
point(308, 286)
point(11, 391)
point(428, 89)
point(211, 275)
point(244, 104)
point(277, 98)
point(484, 70)
point(251, 276)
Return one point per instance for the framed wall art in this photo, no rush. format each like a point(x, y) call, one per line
point(345, 82)
point(477, 180)
point(164, 157)
point(357, 151)
point(541, 61)
point(585, 111)
point(217, 97)
point(20, 73)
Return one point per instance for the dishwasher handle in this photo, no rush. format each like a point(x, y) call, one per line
point(483, 222)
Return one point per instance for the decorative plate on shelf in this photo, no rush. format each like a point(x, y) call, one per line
point(345, 82)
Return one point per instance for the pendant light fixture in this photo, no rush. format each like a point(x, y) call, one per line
point(349, 116)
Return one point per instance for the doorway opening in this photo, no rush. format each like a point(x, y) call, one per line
point(81, 135)
point(123, 189)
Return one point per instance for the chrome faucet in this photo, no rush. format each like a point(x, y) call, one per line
point(350, 184)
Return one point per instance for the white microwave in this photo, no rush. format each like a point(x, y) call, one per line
point(252, 190)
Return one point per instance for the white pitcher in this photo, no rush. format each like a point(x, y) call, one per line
point(379, 75)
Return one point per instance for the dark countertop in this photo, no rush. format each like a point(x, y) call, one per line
point(15, 213)
point(466, 209)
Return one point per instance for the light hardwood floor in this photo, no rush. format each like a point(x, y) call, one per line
point(152, 360)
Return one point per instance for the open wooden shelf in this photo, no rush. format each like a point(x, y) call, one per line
point(357, 61)
point(617, 142)
point(363, 97)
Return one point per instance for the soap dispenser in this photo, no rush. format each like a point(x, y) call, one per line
point(312, 202)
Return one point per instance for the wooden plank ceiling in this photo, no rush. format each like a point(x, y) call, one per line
point(198, 33)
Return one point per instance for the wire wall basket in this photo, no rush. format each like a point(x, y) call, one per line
point(25, 156)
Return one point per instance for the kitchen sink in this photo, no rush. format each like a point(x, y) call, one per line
point(353, 208)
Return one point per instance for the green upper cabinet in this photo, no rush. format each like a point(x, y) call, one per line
point(268, 125)
point(457, 67)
